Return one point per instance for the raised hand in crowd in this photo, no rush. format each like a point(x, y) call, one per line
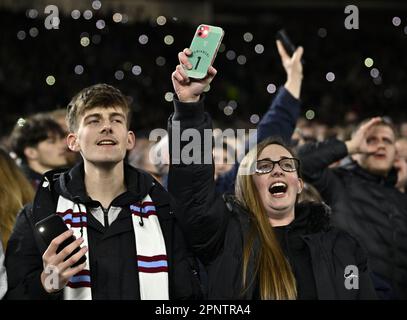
point(359, 143)
point(293, 67)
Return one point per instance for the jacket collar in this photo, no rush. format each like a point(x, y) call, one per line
point(71, 185)
point(390, 180)
point(311, 217)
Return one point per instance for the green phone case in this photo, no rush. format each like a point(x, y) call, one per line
point(204, 47)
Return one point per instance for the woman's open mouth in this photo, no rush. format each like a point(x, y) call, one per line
point(278, 189)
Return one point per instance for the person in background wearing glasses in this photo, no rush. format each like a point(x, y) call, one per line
point(258, 243)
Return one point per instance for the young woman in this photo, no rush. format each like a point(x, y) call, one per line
point(258, 244)
point(15, 192)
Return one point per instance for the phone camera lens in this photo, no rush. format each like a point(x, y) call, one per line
point(199, 33)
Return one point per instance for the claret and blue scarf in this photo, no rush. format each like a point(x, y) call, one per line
point(152, 263)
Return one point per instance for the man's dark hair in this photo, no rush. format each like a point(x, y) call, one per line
point(97, 96)
point(31, 131)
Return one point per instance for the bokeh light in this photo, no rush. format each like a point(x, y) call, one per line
point(369, 62)
point(259, 48)
point(50, 80)
point(330, 76)
point(310, 114)
point(271, 88)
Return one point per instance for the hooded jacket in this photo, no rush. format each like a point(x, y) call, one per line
point(112, 250)
point(216, 228)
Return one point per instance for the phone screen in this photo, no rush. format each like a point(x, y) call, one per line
point(204, 47)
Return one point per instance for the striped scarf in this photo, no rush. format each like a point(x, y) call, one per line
point(152, 263)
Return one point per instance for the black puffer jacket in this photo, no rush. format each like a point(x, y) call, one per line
point(217, 226)
point(112, 250)
point(366, 205)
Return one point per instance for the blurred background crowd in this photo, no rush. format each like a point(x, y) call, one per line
point(349, 74)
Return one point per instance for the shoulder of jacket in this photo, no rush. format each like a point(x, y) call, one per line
point(49, 180)
point(236, 210)
point(46, 198)
point(342, 237)
point(26, 211)
point(162, 199)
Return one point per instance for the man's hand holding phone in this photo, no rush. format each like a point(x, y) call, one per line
point(189, 90)
point(293, 68)
point(55, 266)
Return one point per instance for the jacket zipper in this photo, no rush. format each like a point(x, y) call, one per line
point(106, 216)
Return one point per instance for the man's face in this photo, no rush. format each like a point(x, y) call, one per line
point(381, 150)
point(51, 153)
point(102, 136)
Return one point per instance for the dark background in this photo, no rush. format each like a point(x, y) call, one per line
point(25, 64)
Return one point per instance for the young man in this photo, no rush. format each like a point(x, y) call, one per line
point(364, 199)
point(122, 219)
point(39, 142)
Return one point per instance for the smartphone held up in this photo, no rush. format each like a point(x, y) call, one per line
point(50, 228)
point(204, 47)
point(288, 45)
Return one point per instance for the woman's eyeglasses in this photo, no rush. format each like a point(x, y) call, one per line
point(286, 164)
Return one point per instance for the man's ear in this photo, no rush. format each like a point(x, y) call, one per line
point(31, 153)
point(300, 185)
point(131, 140)
point(72, 142)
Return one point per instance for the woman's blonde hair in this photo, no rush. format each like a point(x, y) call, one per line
point(15, 192)
point(276, 279)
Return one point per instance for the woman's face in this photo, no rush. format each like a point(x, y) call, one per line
point(277, 189)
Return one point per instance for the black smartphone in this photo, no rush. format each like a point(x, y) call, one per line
point(287, 43)
point(50, 228)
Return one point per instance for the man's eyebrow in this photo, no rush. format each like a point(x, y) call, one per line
point(95, 115)
point(117, 114)
point(98, 115)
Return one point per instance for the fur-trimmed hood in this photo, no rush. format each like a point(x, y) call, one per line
point(311, 217)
